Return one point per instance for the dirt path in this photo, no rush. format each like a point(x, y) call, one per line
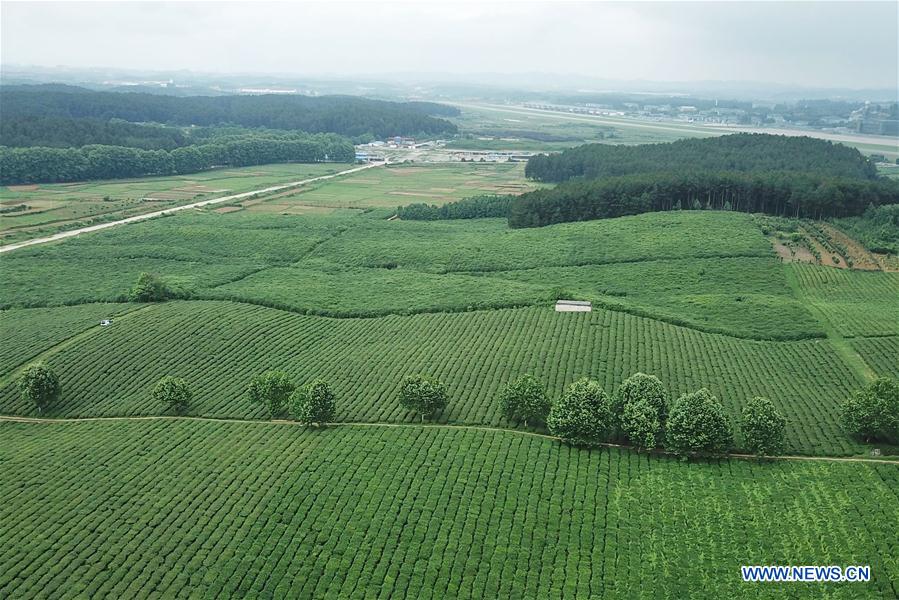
point(276, 188)
point(484, 428)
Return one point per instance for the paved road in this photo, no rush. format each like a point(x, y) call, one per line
point(276, 188)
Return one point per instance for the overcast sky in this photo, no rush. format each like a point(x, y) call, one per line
point(824, 44)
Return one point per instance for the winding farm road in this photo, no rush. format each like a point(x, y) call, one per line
point(283, 422)
point(151, 215)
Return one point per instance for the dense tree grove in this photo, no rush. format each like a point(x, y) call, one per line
point(872, 413)
point(477, 207)
point(173, 393)
point(39, 385)
point(345, 115)
point(877, 228)
point(741, 152)
point(61, 132)
point(47, 165)
point(149, 288)
point(781, 193)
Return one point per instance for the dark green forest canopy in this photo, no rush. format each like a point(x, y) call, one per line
point(806, 195)
point(345, 115)
point(43, 165)
point(741, 152)
point(64, 132)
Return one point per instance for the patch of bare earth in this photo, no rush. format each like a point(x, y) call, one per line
point(792, 254)
point(23, 188)
point(228, 209)
point(861, 257)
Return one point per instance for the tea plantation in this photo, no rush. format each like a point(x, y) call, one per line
point(171, 509)
point(220, 502)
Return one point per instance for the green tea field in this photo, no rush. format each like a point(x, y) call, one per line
point(108, 493)
point(201, 509)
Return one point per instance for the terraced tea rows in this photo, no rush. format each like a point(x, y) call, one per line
point(27, 333)
point(747, 297)
point(174, 509)
point(857, 303)
point(880, 353)
point(218, 346)
point(489, 245)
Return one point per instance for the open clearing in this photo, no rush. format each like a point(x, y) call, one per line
point(399, 185)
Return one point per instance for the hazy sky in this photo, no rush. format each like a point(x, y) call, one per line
point(827, 44)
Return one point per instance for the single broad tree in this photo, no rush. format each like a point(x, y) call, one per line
point(173, 393)
point(39, 385)
point(313, 403)
point(525, 400)
point(422, 394)
point(271, 389)
point(641, 423)
point(763, 427)
point(872, 413)
point(641, 386)
point(640, 405)
point(582, 416)
point(149, 288)
point(697, 424)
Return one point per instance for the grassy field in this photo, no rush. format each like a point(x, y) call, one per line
point(174, 509)
point(55, 207)
point(405, 184)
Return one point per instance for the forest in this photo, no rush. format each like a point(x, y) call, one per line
point(344, 115)
point(48, 165)
point(741, 152)
point(804, 195)
point(63, 132)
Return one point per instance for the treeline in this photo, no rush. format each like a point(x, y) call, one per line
point(477, 207)
point(62, 132)
point(742, 152)
point(345, 115)
point(805, 195)
point(49, 165)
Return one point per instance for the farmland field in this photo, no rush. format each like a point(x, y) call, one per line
point(175, 509)
point(54, 207)
point(406, 184)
